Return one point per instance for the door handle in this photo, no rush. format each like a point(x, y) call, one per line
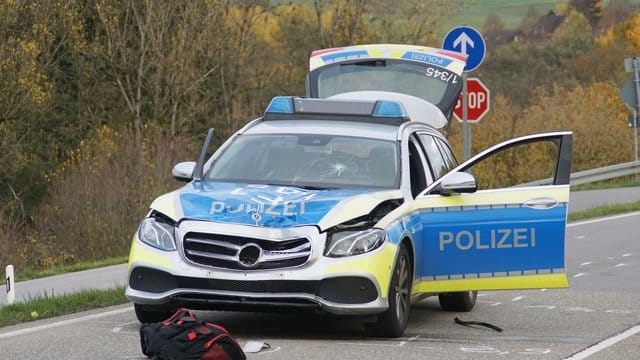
point(542, 203)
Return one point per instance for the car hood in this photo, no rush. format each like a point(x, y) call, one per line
point(269, 205)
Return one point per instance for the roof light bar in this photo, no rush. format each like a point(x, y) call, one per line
point(281, 105)
point(387, 108)
point(296, 108)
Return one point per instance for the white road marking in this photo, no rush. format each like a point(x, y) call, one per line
point(608, 218)
point(517, 298)
point(548, 307)
point(616, 311)
point(578, 275)
point(11, 334)
point(543, 289)
point(586, 263)
point(621, 264)
point(627, 255)
point(604, 344)
point(580, 309)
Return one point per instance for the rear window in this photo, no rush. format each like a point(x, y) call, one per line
point(428, 82)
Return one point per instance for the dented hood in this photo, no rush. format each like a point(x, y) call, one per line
point(270, 205)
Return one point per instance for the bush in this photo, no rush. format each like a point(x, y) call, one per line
point(99, 194)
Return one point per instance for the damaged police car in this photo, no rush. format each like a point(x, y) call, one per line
point(353, 205)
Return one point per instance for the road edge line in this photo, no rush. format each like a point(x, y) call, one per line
point(610, 341)
point(11, 334)
point(608, 218)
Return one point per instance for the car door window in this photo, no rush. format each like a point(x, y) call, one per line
point(437, 162)
point(447, 154)
point(419, 174)
point(526, 164)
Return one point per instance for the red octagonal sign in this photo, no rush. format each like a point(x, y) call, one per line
point(477, 101)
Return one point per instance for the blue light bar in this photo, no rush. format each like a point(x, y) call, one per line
point(387, 108)
point(281, 105)
point(296, 108)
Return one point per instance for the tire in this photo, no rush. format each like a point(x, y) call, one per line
point(458, 301)
point(393, 321)
point(152, 313)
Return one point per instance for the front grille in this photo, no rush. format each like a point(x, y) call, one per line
point(243, 253)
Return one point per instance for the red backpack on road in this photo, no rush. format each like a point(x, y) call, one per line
point(183, 337)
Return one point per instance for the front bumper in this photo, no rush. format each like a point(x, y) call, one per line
point(351, 285)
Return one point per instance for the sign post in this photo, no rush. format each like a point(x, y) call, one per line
point(630, 93)
point(469, 41)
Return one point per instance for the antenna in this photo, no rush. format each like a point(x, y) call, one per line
point(198, 171)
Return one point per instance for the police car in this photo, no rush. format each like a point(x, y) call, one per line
point(351, 204)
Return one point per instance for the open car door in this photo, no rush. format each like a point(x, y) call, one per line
point(431, 74)
point(502, 227)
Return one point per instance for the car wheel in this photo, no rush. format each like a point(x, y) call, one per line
point(458, 301)
point(152, 313)
point(393, 321)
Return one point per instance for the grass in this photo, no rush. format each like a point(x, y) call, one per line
point(52, 305)
point(475, 13)
point(28, 274)
point(627, 181)
point(604, 211)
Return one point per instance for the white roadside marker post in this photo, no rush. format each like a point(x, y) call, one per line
point(11, 289)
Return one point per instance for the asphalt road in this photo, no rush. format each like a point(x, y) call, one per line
point(598, 316)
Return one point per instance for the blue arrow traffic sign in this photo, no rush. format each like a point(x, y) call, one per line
point(466, 40)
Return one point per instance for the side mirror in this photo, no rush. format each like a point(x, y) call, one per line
point(184, 171)
point(457, 183)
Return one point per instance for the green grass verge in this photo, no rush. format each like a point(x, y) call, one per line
point(626, 181)
point(27, 274)
point(51, 305)
point(604, 211)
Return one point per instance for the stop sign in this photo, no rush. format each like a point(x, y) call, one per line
point(477, 101)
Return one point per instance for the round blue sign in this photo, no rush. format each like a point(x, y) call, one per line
point(466, 40)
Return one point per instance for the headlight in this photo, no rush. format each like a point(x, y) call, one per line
point(347, 243)
point(157, 234)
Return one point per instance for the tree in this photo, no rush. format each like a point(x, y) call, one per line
point(529, 20)
point(572, 37)
point(492, 28)
point(591, 9)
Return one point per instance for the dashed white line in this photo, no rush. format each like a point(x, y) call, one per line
point(517, 298)
point(627, 255)
point(586, 263)
point(621, 264)
point(578, 275)
point(548, 307)
point(616, 311)
point(604, 344)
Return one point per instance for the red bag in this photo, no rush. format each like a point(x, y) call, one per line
point(183, 337)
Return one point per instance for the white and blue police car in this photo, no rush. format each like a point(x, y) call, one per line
point(355, 205)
